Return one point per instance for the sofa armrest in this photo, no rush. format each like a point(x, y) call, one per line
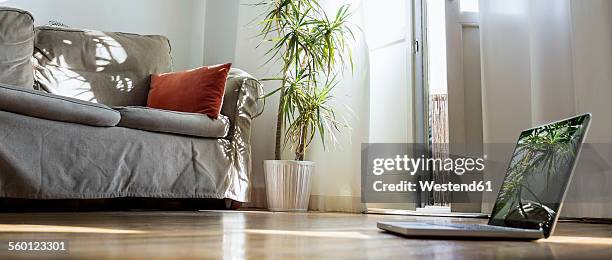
point(43, 105)
point(241, 103)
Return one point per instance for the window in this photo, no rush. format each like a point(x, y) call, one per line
point(469, 6)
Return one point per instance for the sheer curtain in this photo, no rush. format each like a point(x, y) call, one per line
point(546, 60)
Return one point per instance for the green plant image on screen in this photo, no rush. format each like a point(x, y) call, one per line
point(538, 174)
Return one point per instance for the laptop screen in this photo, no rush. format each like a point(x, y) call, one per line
point(538, 175)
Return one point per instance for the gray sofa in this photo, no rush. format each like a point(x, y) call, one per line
point(73, 121)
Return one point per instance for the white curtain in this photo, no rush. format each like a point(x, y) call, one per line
point(546, 60)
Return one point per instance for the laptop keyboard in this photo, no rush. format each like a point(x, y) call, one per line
point(483, 227)
point(475, 227)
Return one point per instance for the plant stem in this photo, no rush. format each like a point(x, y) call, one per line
point(279, 125)
point(281, 104)
point(300, 153)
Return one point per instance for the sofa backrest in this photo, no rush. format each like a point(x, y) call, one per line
point(110, 68)
point(16, 47)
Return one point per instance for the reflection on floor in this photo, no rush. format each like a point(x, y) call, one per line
point(235, 234)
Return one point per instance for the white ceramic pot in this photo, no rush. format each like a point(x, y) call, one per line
point(288, 184)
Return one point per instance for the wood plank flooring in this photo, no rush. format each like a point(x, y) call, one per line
point(257, 235)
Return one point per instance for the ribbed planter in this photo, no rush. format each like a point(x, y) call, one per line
point(288, 184)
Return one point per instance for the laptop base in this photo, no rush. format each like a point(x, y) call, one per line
point(459, 231)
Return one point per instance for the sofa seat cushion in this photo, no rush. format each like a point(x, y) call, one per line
point(16, 47)
point(165, 121)
point(39, 104)
point(110, 68)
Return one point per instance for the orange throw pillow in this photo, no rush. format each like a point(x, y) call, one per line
point(194, 91)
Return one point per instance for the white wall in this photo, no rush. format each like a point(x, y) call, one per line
point(221, 31)
point(181, 21)
point(338, 177)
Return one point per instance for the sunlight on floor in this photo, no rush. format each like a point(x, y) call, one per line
point(64, 229)
point(578, 240)
point(327, 234)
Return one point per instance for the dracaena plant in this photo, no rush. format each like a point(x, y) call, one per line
point(312, 48)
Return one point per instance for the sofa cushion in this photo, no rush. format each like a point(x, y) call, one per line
point(48, 106)
point(193, 91)
point(16, 47)
point(157, 120)
point(110, 68)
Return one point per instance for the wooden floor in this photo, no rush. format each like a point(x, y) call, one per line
point(236, 235)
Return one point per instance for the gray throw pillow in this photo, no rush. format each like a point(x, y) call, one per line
point(16, 47)
point(110, 68)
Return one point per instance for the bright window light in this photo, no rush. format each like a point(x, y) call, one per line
point(436, 34)
point(469, 6)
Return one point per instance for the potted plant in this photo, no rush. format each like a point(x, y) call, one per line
point(312, 49)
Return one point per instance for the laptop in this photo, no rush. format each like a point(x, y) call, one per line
point(532, 193)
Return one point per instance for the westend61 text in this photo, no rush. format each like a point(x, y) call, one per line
point(406, 186)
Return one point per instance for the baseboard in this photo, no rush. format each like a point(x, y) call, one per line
point(258, 198)
point(348, 204)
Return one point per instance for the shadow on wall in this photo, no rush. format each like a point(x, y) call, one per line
point(109, 68)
